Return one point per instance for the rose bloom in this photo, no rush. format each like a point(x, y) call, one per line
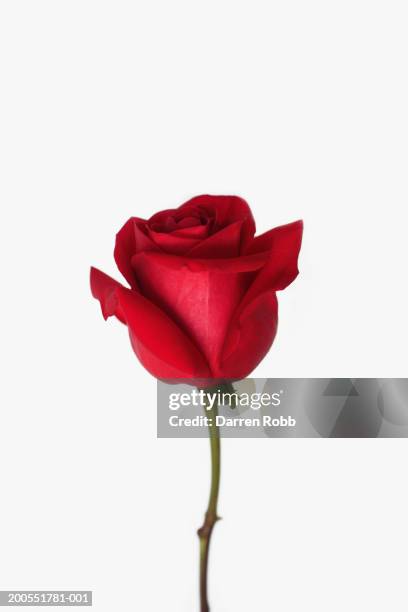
point(201, 302)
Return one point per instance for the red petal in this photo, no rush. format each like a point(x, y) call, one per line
point(224, 243)
point(160, 345)
point(104, 288)
point(131, 239)
point(163, 349)
point(283, 245)
point(198, 231)
point(248, 263)
point(173, 243)
point(227, 210)
point(250, 337)
point(202, 302)
point(163, 218)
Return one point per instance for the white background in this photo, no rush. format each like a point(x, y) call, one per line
point(113, 109)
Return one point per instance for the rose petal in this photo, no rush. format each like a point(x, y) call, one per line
point(186, 222)
point(250, 336)
point(131, 239)
point(172, 243)
point(201, 302)
point(160, 345)
point(198, 231)
point(283, 244)
point(162, 218)
point(104, 289)
point(247, 263)
point(163, 349)
point(226, 210)
point(175, 235)
point(224, 243)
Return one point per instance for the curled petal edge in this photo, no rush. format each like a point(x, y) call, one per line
point(161, 346)
point(247, 263)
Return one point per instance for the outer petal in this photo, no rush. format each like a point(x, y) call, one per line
point(104, 288)
point(200, 297)
point(250, 337)
point(283, 244)
point(163, 349)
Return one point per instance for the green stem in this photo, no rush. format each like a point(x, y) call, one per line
point(211, 517)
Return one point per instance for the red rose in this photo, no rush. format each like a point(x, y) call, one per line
point(202, 299)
